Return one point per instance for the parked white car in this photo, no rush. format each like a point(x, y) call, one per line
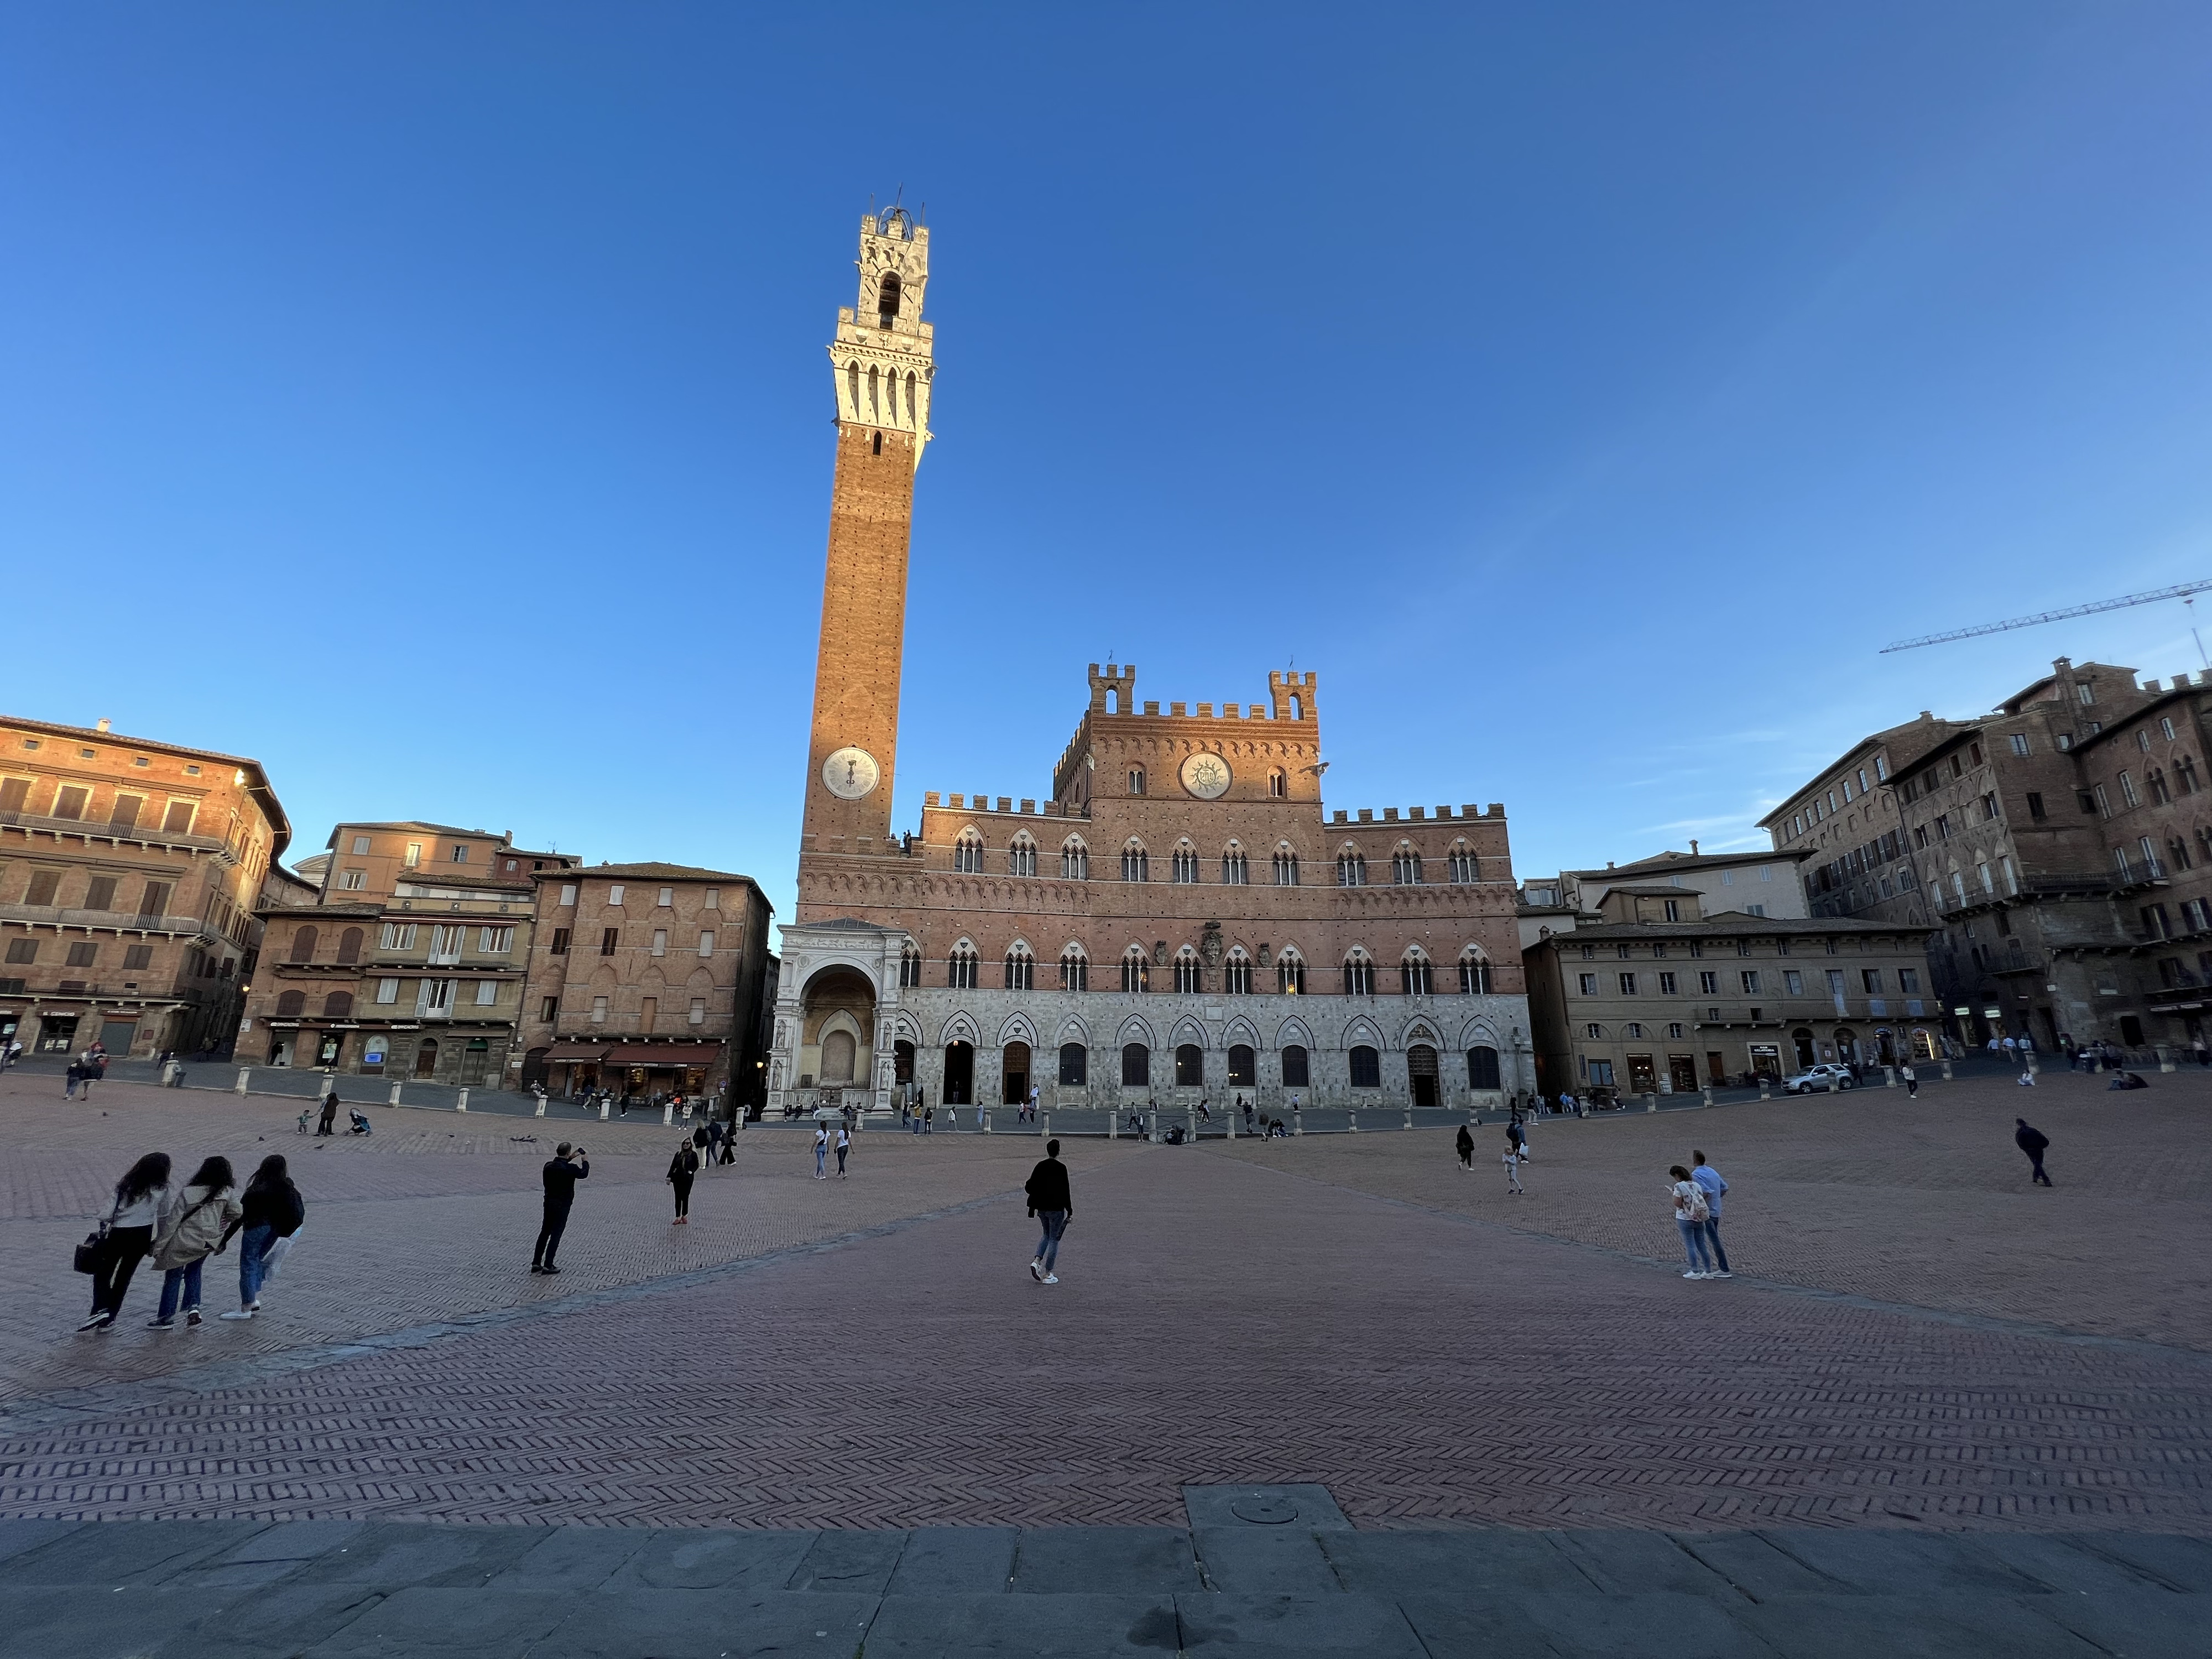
point(1826, 1076)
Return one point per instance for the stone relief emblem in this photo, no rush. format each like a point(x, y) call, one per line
point(1210, 946)
point(1206, 776)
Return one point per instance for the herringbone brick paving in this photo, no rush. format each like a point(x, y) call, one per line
point(425, 1221)
point(1221, 1322)
point(1872, 1193)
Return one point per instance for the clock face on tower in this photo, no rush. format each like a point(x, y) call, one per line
point(1206, 776)
point(850, 773)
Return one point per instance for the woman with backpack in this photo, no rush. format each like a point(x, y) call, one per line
point(126, 1237)
point(1691, 1210)
point(683, 1170)
point(197, 1220)
point(271, 1209)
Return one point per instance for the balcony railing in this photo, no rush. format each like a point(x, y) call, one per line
point(118, 920)
point(103, 829)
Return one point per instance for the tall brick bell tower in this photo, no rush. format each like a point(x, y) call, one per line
point(882, 367)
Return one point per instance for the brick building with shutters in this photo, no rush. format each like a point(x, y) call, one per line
point(402, 956)
point(646, 980)
point(131, 871)
point(2058, 848)
point(1175, 916)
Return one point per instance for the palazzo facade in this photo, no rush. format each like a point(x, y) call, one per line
point(1180, 918)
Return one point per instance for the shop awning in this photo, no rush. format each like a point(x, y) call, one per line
point(570, 1052)
point(665, 1054)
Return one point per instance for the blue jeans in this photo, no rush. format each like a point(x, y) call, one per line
point(1694, 1243)
point(1712, 1230)
point(252, 1243)
point(186, 1279)
point(1056, 1223)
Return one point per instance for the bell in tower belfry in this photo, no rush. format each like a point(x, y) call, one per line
point(881, 371)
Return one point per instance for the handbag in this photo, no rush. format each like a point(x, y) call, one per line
point(87, 1260)
point(274, 1256)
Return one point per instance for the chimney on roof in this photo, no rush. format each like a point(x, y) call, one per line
point(103, 725)
point(1693, 847)
point(1608, 864)
point(1925, 715)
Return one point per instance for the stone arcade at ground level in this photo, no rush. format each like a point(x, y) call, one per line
point(848, 1033)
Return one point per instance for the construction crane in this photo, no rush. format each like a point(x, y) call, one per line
point(2180, 590)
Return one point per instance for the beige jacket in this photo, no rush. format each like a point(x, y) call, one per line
point(194, 1225)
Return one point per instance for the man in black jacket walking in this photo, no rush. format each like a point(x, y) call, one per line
point(568, 1167)
point(2033, 1142)
point(1052, 1204)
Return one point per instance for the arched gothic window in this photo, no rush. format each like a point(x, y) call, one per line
point(1074, 969)
point(1474, 973)
point(1286, 866)
point(1021, 856)
point(303, 945)
point(1136, 970)
point(338, 1006)
point(887, 300)
point(960, 967)
point(292, 1002)
point(1350, 867)
point(1136, 1065)
point(1075, 860)
point(1185, 864)
point(1278, 784)
point(911, 965)
point(1135, 866)
point(1021, 967)
point(1187, 970)
point(1136, 780)
point(1236, 974)
point(1291, 974)
point(2158, 790)
point(1413, 974)
point(1358, 975)
point(1406, 866)
point(349, 944)
point(1465, 867)
point(968, 853)
point(1234, 871)
point(1366, 1068)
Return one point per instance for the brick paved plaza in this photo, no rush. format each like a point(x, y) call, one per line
point(1938, 1412)
point(1915, 1335)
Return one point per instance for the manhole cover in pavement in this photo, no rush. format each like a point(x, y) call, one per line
point(1264, 1511)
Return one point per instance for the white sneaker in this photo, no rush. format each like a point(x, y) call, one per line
point(237, 1313)
point(1052, 1278)
point(1692, 1273)
point(1722, 1274)
point(1037, 1271)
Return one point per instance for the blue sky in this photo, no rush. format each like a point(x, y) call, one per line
point(430, 400)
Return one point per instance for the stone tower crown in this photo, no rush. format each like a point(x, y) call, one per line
point(1118, 680)
point(882, 359)
point(1295, 696)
